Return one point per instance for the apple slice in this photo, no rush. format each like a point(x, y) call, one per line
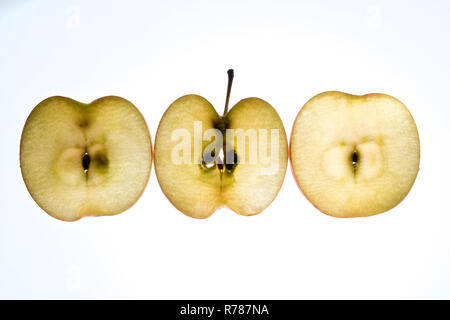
point(85, 159)
point(204, 161)
point(354, 156)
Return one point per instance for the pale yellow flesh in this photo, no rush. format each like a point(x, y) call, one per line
point(57, 134)
point(198, 192)
point(191, 190)
point(330, 128)
point(256, 185)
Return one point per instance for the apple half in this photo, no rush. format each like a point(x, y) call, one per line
point(234, 173)
point(85, 159)
point(354, 156)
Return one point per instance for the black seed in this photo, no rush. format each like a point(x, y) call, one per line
point(230, 165)
point(209, 158)
point(86, 161)
point(355, 158)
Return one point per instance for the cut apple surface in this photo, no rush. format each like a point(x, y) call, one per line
point(354, 156)
point(204, 161)
point(85, 159)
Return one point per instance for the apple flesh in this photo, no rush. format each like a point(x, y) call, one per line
point(198, 188)
point(354, 156)
point(85, 159)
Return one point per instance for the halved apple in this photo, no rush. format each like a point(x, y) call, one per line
point(85, 159)
point(204, 161)
point(354, 156)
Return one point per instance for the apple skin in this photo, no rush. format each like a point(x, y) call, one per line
point(99, 101)
point(356, 97)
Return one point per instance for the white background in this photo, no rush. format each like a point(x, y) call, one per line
point(282, 51)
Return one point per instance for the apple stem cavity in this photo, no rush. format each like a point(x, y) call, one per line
point(230, 73)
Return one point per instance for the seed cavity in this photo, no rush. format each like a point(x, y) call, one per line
point(101, 160)
point(223, 163)
point(83, 123)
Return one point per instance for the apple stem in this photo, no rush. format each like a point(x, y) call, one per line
point(230, 73)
